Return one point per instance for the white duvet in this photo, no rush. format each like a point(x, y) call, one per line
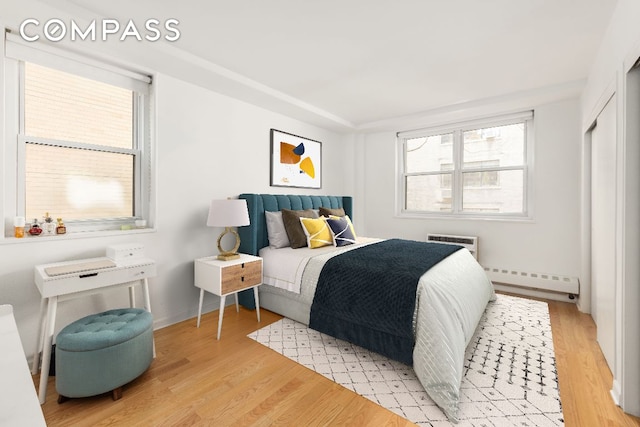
point(451, 298)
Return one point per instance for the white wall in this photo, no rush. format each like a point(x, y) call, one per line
point(619, 50)
point(209, 146)
point(548, 244)
point(621, 40)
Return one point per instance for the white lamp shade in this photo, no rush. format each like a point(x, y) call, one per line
point(228, 213)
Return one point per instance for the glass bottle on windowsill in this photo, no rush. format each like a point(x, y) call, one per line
point(19, 224)
point(61, 228)
point(48, 226)
point(35, 229)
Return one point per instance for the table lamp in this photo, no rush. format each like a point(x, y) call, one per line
point(228, 213)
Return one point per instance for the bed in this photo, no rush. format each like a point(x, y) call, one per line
point(429, 329)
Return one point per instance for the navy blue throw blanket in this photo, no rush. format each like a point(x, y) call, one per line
point(367, 295)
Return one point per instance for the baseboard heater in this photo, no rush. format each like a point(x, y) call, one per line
point(469, 242)
point(535, 281)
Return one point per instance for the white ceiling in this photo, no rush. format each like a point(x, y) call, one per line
point(357, 62)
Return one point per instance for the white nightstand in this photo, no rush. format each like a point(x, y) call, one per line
point(228, 277)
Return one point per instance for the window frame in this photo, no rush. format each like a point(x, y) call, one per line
point(457, 186)
point(15, 52)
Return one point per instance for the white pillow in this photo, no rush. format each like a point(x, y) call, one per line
point(275, 230)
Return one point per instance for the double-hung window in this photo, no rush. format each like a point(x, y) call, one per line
point(475, 169)
point(82, 135)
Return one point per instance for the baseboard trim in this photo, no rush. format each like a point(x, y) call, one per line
point(615, 392)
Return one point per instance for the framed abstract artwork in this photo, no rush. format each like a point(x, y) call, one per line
point(295, 161)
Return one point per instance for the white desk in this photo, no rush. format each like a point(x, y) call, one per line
point(129, 273)
point(18, 399)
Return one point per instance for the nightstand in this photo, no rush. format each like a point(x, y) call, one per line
point(222, 278)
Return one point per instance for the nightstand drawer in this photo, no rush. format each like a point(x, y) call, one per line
point(241, 276)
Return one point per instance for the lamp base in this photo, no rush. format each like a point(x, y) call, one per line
point(233, 253)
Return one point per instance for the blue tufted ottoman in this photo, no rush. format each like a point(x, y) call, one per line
point(102, 352)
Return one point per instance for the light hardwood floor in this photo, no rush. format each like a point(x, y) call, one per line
point(197, 380)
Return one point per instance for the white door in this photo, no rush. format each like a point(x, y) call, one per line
point(603, 228)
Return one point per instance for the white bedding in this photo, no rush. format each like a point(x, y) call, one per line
point(451, 298)
point(283, 267)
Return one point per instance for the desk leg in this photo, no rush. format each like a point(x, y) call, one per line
point(220, 316)
point(200, 306)
point(147, 305)
point(255, 295)
point(50, 323)
point(237, 305)
point(41, 328)
point(145, 295)
point(132, 297)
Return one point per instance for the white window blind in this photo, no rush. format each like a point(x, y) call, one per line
point(61, 59)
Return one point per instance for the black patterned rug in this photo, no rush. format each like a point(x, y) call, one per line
point(510, 376)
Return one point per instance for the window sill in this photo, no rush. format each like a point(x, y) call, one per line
point(72, 236)
point(505, 218)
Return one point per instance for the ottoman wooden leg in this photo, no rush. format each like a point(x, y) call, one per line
point(62, 399)
point(116, 393)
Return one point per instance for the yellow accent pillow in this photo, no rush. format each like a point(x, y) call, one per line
point(317, 232)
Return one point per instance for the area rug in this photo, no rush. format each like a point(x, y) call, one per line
point(510, 376)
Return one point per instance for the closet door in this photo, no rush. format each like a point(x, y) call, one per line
point(603, 228)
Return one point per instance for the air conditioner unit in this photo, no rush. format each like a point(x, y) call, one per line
point(469, 242)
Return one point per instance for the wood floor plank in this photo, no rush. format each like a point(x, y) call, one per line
point(197, 380)
point(584, 377)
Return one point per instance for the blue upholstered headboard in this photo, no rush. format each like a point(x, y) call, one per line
point(254, 237)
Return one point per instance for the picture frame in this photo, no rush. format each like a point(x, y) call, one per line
point(296, 161)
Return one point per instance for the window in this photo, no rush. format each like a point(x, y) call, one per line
point(83, 139)
point(472, 169)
